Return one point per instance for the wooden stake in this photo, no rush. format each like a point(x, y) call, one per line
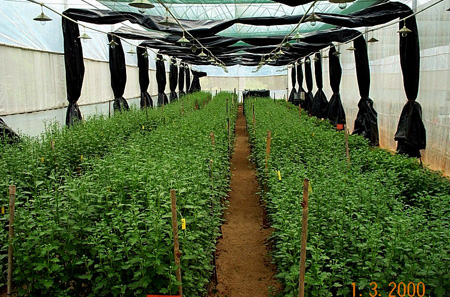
point(227, 106)
point(229, 128)
point(301, 285)
point(299, 110)
point(213, 139)
point(176, 247)
point(254, 120)
point(52, 145)
point(346, 144)
point(269, 139)
point(12, 201)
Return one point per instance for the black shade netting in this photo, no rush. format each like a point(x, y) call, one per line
point(187, 73)
point(309, 86)
point(118, 71)
point(73, 60)
point(320, 102)
point(7, 134)
point(181, 80)
point(336, 113)
point(161, 80)
point(301, 92)
point(293, 95)
point(144, 81)
point(173, 79)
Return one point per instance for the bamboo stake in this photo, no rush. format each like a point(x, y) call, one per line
point(269, 139)
point(346, 144)
point(213, 139)
point(254, 120)
point(229, 128)
point(301, 285)
point(299, 110)
point(274, 97)
point(12, 201)
point(176, 247)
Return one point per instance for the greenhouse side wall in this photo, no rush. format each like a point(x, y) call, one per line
point(33, 88)
point(387, 89)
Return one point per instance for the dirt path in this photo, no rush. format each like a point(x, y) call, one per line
point(243, 267)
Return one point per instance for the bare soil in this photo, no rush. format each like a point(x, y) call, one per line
point(243, 265)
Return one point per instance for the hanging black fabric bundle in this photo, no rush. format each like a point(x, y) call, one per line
point(187, 72)
point(366, 122)
point(7, 134)
point(161, 80)
point(411, 134)
point(73, 59)
point(293, 95)
point(173, 78)
point(320, 102)
point(336, 113)
point(195, 86)
point(142, 57)
point(309, 86)
point(181, 79)
point(118, 73)
point(300, 100)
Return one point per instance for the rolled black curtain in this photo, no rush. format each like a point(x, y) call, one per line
point(118, 73)
point(173, 78)
point(301, 92)
point(411, 133)
point(309, 85)
point(336, 113)
point(195, 86)
point(181, 80)
point(142, 57)
point(73, 59)
point(161, 80)
point(187, 72)
point(293, 93)
point(366, 122)
point(320, 102)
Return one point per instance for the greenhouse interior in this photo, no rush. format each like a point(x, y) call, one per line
point(225, 148)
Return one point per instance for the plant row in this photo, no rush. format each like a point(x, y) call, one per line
point(108, 232)
point(380, 219)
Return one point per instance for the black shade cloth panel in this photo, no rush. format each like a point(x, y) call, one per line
point(7, 134)
point(187, 73)
point(411, 134)
point(144, 81)
point(181, 80)
point(293, 96)
point(118, 71)
point(161, 80)
point(336, 113)
point(195, 86)
point(366, 122)
point(173, 78)
point(320, 102)
point(309, 86)
point(301, 92)
point(374, 15)
point(73, 61)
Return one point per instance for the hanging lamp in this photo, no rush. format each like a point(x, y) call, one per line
point(404, 31)
point(183, 40)
point(202, 55)
point(297, 37)
point(279, 52)
point(131, 51)
point(84, 37)
point(194, 48)
point(113, 44)
point(42, 17)
point(372, 40)
point(145, 54)
point(141, 5)
point(315, 59)
point(313, 18)
point(351, 48)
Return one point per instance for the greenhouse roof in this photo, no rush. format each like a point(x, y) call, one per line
point(233, 9)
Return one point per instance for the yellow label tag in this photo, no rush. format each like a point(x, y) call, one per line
point(279, 174)
point(183, 224)
point(3, 210)
point(143, 127)
point(313, 134)
point(309, 188)
point(81, 158)
point(42, 159)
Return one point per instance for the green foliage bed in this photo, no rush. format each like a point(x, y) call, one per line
point(106, 231)
point(383, 219)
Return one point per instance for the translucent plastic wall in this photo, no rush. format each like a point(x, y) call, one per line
point(387, 89)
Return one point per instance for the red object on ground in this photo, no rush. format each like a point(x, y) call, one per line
point(340, 126)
